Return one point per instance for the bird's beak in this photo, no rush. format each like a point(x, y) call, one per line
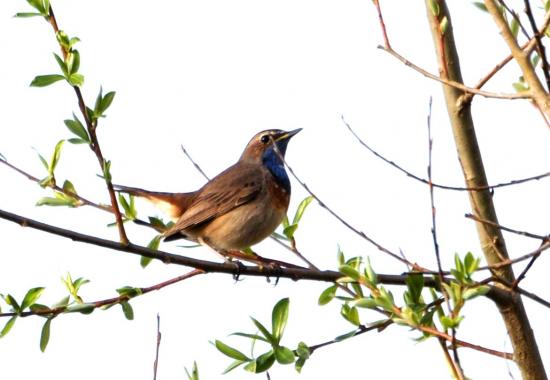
point(287, 135)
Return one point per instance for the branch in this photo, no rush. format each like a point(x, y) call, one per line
point(444, 187)
point(536, 90)
point(94, 145)
point(454, 84)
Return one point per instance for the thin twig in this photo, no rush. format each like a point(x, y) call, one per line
point(439, 186)
point(508, 229)
point(504, 263)
point(159, 336)
point(382, 24)
point(194, 163)
point(94, 145)
point(540, 46)
point(460, 86)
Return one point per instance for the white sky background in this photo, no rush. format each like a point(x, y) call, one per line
point(209, 75)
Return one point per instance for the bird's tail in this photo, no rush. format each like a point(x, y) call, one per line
point(173, 204)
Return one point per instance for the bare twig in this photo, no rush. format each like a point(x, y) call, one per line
point(194, 163)
point(452, 83)
point(508, 229)
point(159, 336)
point(540, 46)
point(444, 187)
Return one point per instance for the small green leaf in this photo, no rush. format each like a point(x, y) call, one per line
point(514, 25)
point(62, 65)
point(194, 375)
point(39, 308)
point(45, 335)
point(129, 291)
point(230, 351)
point(342, 337)
point(63, 302)
point(55, 156)
point(415, 284)
point(104, 103)
point(444, 24)
point(76, 127)
point(83, 308)
point(127, 310)
point(284, 355)
point(301, 208)
point(264, 362)
point(46, 80)
point(434, 6)
point(233, 365)
point(349, 271)
point(73, 61)
point(475, 292)
point(264, 331)
point(279, 318)
point(76, 79)
point(8, 326)
point(327, 295)
point(49, 201)
point(153, 244)
point(289, 231)
point(31, 297)
point(68, 187)
point(481, 6)
point(366, 302)
point(27, 14)
point(251, 336)
point(12, 302)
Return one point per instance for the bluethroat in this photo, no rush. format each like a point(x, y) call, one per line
point(239, 207)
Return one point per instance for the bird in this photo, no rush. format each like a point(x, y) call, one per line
point(239, 207)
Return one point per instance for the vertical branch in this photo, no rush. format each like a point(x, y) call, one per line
point(492, 243)
point(538, 93)
point(159, 336)
point(91, 127)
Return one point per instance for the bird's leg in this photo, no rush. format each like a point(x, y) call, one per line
point(227, 257)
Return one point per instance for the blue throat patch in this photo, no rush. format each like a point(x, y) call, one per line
point(276, 166)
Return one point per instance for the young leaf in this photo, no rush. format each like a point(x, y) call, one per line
point(230, 351)
point(153, 244)
point(62, 65)
point(264, 362)
point(46, 80)
point(27, 14)
point(284, 355)
point(127, 310)
point(31, 297)
point(76, 79)
point(301, 208)
point(327, 295)
point(264, 331)
point(73, 61)
point(194, 375)
point(107, 170)
point(76, 127)
point(45, 335)
point(55, 156)
point(8, 326)
point(279, 318)
point(232, 366)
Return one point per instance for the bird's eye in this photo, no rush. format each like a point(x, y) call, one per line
point(264, 139)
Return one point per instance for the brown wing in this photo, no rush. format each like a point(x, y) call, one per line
point(237, 185)
point(173, 204)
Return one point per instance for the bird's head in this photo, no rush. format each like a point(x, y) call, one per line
point(261, 146)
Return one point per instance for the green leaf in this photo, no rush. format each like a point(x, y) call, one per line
point(8, 326)
point(232, 366)
point(76, 79)
point(264, 331)
point(299, 364)
point(12, 302)
point(349, 271)
point(264, 362)
point(49, 201)
point(301, 208)
point(103, 103)
point(370, 274)
point(74, 140)
point(39, 308)
point(63, 302)
point(62, 65)
point(340, 257)
point(481, 6)
point(342, 337)
point(68, 187)
point(153, 244)
point(27, 14)
point(415, 284)
point(45, 335)
point(55, 157)
point(127, 310)
point(434, 6)
point(303, 350)
point(43, 160)
point(327, 295)
point(129, 291)
point(83, 308)
point(366, 302)
point(285, 222)
point(194, 372)
point(251, 336)
point(46, 80)
point(475, 292)
point(444, 24)
point(279, 318)
point(289, 231)
point(514, 25)
point(76, 127)
point(284, 355)
point(73, 61)
point(31, 297)
point(230, 351)
point(107, 170)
